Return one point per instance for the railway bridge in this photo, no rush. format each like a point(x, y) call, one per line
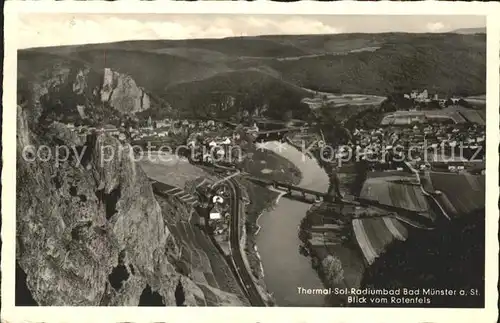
point(412, 218)
point(293, 191)
point(281, 131)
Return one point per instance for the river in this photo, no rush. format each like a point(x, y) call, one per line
point(278, 243)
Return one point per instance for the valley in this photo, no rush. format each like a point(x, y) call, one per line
point(238, 214)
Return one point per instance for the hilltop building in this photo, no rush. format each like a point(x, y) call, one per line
point(423, 96)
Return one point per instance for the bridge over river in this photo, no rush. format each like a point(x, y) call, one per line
point(281, 131)
point(412, 218)
point(305, 195)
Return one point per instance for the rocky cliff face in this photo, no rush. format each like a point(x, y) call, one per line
point(122, 93)
point(89, 229)
point(68, 90)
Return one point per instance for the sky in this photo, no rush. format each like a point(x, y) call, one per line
point(39, 30)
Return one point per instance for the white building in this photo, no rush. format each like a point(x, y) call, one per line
point(217, 199)
point(419, 96)
point(423, 96)
point(220, 153)
point(215, 215)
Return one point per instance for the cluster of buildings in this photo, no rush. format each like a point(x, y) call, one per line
point(215, 208)
point(209, 141)
point(219, 146)
point(155, 129)
point(425, 97)
point(169, 127)
point(112, 130)
point(213, 148)
point(419, 143)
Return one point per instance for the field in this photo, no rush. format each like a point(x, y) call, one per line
point(269, 165)
point(334, 101)
point(171, 170)
point(389, 191)
point(374, 235)
point(448, 257)
point(465, 192)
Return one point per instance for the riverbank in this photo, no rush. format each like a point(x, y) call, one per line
point(345, 173)
point(278, 242)
point(329, 241)
point(269, 165)
point(261, 199)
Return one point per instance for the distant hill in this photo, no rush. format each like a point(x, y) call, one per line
point(253, 90)
point(154, 71)
point(470, 31)
point(406, 62)
point(262, 75)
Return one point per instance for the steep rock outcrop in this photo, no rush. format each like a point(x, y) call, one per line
point(122, 93)
point(73, 229)
point(89, 230)
point(68, 90)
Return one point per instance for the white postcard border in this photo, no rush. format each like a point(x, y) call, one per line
point(11, 313)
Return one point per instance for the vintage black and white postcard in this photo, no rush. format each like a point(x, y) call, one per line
point(319, 160)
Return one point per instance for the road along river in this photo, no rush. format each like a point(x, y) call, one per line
point(278, 243)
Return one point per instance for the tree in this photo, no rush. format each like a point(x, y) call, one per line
point(388, 105)
point(433, 105)
point(448, 103)
point(332, 270)
point(334, 185)
point(464, 104)
point(361, 169)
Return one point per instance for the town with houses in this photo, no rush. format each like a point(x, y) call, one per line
point(212, 141)
point(349, 161)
